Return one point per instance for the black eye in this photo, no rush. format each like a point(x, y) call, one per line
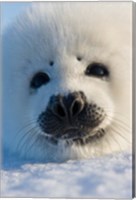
point(79, 58)
point(39, 79)
point(97, 69)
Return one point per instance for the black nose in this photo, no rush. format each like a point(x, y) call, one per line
point(69, 106)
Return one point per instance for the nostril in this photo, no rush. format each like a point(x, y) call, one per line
point(67, 107)
point(76, 107)
point(59, 110)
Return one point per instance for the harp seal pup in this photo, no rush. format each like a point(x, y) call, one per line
point(67, 81)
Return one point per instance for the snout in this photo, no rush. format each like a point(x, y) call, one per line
point(70, 116)
point(67, 108)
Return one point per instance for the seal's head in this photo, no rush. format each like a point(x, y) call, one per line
point(67, 80)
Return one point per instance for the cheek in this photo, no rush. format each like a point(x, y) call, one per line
point(38, 103)
point(102, 96)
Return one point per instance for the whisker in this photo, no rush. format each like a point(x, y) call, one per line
point(112, 136)
point(35, 140)
point(117, 132)
point(108, 144)
point(120, 123)
point(24, 135)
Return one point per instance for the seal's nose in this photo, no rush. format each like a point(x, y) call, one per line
point(68, 107)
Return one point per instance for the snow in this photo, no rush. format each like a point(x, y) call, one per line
point(104, 177)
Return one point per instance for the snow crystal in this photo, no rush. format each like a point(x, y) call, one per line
point(106, 177)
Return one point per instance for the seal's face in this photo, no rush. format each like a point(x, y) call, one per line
point(71, 99)
point(72, 117)
point(69, 80)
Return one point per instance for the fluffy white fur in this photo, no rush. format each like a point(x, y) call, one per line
point(99, 32)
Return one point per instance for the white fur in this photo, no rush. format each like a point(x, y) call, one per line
point(99, 32)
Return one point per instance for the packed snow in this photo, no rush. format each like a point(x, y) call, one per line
point(105, 177)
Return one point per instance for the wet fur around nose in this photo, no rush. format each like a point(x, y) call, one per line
point(81, 124)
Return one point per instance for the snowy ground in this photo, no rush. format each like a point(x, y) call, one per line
point(106, 177)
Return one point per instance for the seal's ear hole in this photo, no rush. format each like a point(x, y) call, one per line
point(79, 58)
point(51, 63)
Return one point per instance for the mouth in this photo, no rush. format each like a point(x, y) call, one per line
point(72, 133)
point(76, 136)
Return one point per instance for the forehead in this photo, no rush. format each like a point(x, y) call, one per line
point(60, 19)
point(47, 30)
